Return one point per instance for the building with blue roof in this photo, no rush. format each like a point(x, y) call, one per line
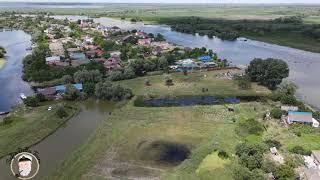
point(205, 58)
point(299, 117)
point(62, 88)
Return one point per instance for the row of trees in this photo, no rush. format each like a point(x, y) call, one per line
point(2, 52)
point(232, 29)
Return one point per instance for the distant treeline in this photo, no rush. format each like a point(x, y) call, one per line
point(232, 29)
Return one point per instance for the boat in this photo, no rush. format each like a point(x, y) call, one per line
point(4, 113)
point(22, 96)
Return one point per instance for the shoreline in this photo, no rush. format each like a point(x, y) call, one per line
point(76, 112)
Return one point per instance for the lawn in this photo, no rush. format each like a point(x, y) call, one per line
point(214, 167)
point(124, 146)
point(30, 126)
point(192, 84)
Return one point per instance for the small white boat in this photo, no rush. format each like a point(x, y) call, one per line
point(22, 96)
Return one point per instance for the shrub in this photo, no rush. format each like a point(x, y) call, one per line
point(223, 154)
point(276, 113)
point(283, 172)
point(61, 112)
point(168, 80)
point(108, 91)
point(272, 143)
point(249, 126)
point(288, 99)
point(71, 93)
point(244, 82)
point(7, 120)
point(40, 97)
point(31, 101)
point(300, 150)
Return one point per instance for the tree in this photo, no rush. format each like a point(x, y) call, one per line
point(89, 88)
point(168, 80)
point(244, 82)
point(2, 52)
point(283, 172)
point(61, 112)
point(251, 154)
point(287, 87)
point(31, 101)
point(87, 76)
point(71, 93)
point(268, 72)
point(108, 91)
point(159, 37)
point(67, 79)
point(128, 73)
point(276, 113)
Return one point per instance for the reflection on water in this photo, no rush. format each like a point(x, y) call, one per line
point(58, 146)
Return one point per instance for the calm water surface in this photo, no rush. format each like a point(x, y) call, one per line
point(58, 146)
point(304, 66)
point(11, 84)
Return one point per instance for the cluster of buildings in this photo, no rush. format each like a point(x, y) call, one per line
point(201, 62)
point(82, 50)
point(50, 92)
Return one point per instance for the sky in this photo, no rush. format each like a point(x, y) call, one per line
point(172, 1)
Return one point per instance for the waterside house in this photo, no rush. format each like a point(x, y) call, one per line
point(52, 91)
point(53, 60)
point(301, 117)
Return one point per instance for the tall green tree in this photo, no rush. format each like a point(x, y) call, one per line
point(268, 72)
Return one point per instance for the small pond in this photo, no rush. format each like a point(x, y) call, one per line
point(186, 101)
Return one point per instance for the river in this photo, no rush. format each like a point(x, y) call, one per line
point(58, 146)
point(54, 149)
point(304, 66)
point(11, 84)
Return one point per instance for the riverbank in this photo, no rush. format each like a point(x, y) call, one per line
point(2, 63)
point(132, 142)
point(25, 127)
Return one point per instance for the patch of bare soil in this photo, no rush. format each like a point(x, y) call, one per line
point(109, 167)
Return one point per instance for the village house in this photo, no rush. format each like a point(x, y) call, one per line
point(115, 54)
point(205, 58)
point(77, 56)
point(88, 40)
point(157, 51)
point(90, 54)
point(111, 64)
point(62, 88)
point(115, 29)
point(186, 64)
point(141, 34)
point(50, 92)
point(289, 108)
point(53, 60)
point(302, 117)
point(144, 42)
point(56, 48)
point(162, 44)
point(73, 50)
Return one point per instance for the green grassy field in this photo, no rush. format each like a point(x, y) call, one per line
point(29, 127)
point(192, 84)
point(117, 143)
point(123, 144)
point(152, 12)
